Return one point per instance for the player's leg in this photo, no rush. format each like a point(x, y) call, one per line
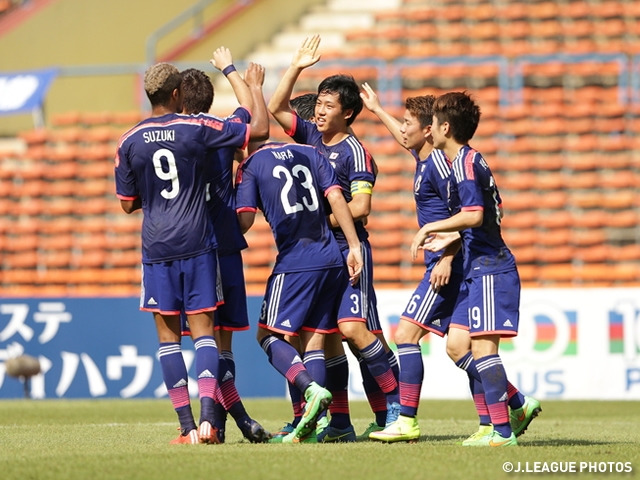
point(232, 316)
point(405, 427)
point(295, 396)
point(353, 315)
point(174, 374)
point(493, 312)
point(162, 294)
point(340, 428)
point(200, 299)
point(288, 300)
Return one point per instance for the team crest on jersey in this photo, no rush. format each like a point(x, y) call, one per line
point(416, 187)
point(333, 155)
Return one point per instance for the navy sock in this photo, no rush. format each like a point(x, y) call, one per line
point(286, 360)
point(231, 363)
point(467, 364)
point(338, 385)
point(494, 382)
point(378, 363)
point(411, 377)
point(174, 373)
point(207, 371)
point(314, 363)
point(376, 397)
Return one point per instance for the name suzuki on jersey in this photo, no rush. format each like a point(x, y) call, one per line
point(159, 136)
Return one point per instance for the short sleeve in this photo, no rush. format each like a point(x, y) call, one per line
point(126, 188)
point(246, 188)
point(219, 133)
point(304, 132)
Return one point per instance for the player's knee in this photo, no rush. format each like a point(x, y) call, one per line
point(355, 332)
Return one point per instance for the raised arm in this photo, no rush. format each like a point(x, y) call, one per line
point(223, 61)
point(372, 102)
point(304, 57)
point(254, 78)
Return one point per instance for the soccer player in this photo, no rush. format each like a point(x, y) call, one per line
point(337, 106)
point(232, 315)
point(490, 293)
point(431, 304)
point(286, 182)
point(159, 168)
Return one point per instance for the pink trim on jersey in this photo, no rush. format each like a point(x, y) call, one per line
point(332, 187)
point(210, 122)
point(421, 325)
point(473, 208)
point(246, 209)
point(161, 312)
point(201, 310)
point(123, 197)
point(246, 137)
point(233, 329)
point(294, 124)
point(352, 319)
point(273, 329)
point(468, 164)
point(320, 330)
point(502, 333)
point(457, 325)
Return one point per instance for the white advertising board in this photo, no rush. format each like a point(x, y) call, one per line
point(572, 344)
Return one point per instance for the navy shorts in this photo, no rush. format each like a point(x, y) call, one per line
point(187, 285)
point(432, 310)
point(489, 305)
point(303, 300)
point(232, 313)
point(359, 302)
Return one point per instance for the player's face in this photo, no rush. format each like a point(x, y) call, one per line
point(438, 131)
point(329, 116)
point(413, 136)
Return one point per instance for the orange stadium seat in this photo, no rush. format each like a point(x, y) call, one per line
point(556, 254)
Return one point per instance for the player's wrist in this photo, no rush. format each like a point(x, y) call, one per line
point(226, 71)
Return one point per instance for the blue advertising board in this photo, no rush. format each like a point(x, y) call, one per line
point(107, 348)
point(24, 91)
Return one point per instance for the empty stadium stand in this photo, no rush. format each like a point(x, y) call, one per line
point(559, 88)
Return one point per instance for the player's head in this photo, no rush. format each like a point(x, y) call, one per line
point(197, 91)
point(304, 105)
point(162, 83)
point(338, 101)
point(456, 116)
point(417, 119)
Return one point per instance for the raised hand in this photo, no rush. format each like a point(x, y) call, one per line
point(221, 58)
point(369, 98)
point(254, 76)
point(307, 55)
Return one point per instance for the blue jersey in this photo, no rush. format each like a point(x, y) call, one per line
point(220, 195)
point(161, 161)
point(474, 188)
point(286, 182)
point(350, 160)
point(431, 193)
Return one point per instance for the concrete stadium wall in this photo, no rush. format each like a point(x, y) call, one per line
point(72, 33)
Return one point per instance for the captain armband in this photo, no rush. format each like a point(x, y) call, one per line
point(361, 187)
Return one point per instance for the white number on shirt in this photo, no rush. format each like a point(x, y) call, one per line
point(172, 174)
point(412, 304)
point(311, 204)
point(475, 317)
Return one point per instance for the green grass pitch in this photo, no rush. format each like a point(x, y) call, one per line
point(129, 439)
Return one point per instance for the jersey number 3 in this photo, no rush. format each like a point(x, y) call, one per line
point(298, 171)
